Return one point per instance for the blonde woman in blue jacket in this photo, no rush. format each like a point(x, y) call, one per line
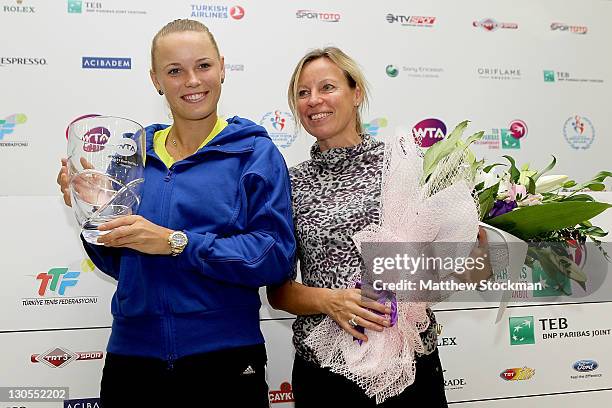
point(214, 225)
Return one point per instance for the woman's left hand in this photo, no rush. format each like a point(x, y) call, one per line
point(136, 232)
point(475, 274)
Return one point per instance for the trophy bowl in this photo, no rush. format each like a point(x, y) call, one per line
point(106, 157)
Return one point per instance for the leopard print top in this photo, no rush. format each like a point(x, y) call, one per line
point(336, 194)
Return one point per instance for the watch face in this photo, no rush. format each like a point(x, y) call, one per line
point(178, 240)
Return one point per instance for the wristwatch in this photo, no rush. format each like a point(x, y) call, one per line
point(177, 241)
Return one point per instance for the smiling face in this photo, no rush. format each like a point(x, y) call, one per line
point(188, 69)
point(326, 103)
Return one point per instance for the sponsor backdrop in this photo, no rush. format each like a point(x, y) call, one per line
point(534, 75)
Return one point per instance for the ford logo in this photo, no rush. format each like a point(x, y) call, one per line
point(584, 366)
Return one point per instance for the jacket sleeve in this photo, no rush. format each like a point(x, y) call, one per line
point(262, 252)
point(106, 259)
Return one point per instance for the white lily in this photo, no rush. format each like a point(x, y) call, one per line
point(550, 183)
point(489, 179)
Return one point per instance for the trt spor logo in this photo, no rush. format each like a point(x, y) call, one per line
point(57, 280)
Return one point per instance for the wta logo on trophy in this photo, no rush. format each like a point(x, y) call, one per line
point(95, 139)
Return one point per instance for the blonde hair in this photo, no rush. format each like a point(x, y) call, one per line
point(178, 26)
point(352, 72)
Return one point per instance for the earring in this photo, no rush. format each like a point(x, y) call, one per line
point(222, 80)
point(159, 91)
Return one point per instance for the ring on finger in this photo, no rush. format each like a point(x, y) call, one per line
point(353, 322)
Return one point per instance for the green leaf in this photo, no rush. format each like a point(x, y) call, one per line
point(599, 178)
point(515, 174)
point(577, 197)
point(529, 222)
point(486, 199)
point(596, 186)
point(546, 169)
point(569, 184)
point(491, 166)
point(436, 153)
point(531, 185)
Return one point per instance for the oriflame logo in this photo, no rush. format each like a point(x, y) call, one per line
point(59, 357)
point(285, 394)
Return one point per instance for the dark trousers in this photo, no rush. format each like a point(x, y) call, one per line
point(316, 387)
point(234, 377)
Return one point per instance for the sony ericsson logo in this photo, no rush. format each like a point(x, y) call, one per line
point(107, 63)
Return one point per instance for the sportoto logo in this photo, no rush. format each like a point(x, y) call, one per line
point(95, 139)
point(428, 132)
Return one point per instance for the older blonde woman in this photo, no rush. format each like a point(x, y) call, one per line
point(336, 194)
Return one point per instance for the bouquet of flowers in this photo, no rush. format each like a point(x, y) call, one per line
point(441, 195)
point(421, 202)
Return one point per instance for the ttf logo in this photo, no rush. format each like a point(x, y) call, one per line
point(57, 280)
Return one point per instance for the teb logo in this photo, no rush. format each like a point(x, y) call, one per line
point(428, 132)
point(7, 125)
point(57, 280)
point(236, 12)
point(75, 6)
point(522, 330)
point(549, 76)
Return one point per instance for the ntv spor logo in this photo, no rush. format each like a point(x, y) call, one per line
point(106, 63)
point(318, 15)
point(411, 21)
point(280, 127)
point(60, 357)
point(579, 132)
point(522, 330)
point(489, 24)
point(428, 132)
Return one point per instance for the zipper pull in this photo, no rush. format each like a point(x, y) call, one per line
point(171, 359)
point(168, 176)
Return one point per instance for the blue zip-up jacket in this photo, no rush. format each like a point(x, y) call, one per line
point(232, 199)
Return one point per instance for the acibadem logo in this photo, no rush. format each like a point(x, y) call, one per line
point(522, 330)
